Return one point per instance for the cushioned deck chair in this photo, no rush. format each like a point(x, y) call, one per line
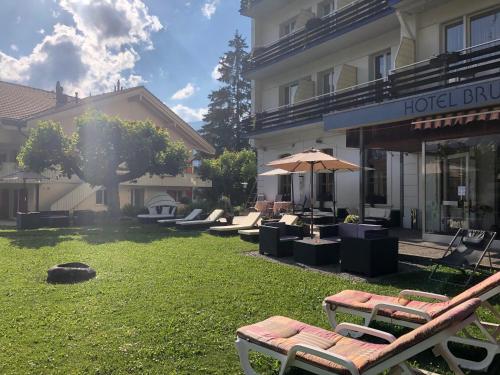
point(465, 252)
point(211, 220)
point(323, 352)
point(405, 311)
point(158, 213)
point(253, 234)
point(239, 223)
point(192, 216)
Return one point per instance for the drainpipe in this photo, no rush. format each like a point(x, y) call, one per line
point(401, 188)
point(362, 176)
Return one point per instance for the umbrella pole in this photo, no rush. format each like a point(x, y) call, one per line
point(334, 198)
point(312, 198)
point(292, 199)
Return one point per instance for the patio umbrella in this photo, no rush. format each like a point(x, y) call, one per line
point(281, 172)
point(313, 161)
point(24, 176)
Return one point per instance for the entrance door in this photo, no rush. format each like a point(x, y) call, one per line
point(4, 204)
point(456, 191)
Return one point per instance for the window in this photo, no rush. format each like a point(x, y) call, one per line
point(325, 181)
point(454, 37)
point(101, 197)
point(485, 28)
point(288, 93)
point(326, 7)
point(285, 187)
point(137, 198)
point(326, 82)
point(382, 65)
point(376, 177)
point(3, 157)
point(288, 27)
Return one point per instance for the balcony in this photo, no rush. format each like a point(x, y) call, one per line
point(440, 72)
point(318, 31)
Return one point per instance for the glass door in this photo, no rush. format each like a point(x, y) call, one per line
point(456, 190)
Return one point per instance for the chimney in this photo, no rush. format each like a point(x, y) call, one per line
point(61, 99)
point(118, 85)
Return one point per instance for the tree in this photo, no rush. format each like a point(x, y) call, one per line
point(231, 103)
point(232, 174)
point(104, 151)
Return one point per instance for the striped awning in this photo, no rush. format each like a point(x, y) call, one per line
point(456, 119)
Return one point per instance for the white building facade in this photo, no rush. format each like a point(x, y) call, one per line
point(407, 89)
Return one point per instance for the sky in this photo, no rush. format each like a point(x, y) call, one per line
point(170, 46)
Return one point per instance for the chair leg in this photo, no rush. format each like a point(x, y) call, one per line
point(330, 313)
point(243, 351)
point(449, 358)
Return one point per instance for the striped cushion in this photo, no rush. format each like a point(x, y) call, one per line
point(280, 334)
point(364, 301)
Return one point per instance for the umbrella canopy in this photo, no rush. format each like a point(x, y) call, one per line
point(320, 161)
point(314, 161)
point(275, 172)
point(23, 176)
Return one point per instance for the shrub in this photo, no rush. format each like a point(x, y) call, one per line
point(131, 211)
point(352, 219)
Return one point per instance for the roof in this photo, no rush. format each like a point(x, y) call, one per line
point(23, 103)
point(18, 102)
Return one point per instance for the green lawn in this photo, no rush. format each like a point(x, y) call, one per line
point(163, 302)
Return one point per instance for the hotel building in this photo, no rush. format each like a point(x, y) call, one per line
point(408, 89)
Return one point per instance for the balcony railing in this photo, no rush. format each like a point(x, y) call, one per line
point(319, 30)
point(245, 5)
point(446, 70)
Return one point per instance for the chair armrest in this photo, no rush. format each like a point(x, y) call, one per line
point(269, 234)
point(418, 293)
point(318, 352)
point(365, 330)
point(295, 230)
point(394, 307)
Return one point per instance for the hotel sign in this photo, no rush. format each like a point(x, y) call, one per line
point(436, 102)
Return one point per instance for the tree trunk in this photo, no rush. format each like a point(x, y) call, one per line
point(113, 196)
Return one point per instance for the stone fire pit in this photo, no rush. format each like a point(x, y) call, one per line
point(69, 273)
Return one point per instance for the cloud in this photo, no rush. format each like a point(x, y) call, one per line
point(41, 31)
point(185, 92)
point(189, 114)
point(14, 47)
point(209, 8)
point(215, 73)
point(92, 54)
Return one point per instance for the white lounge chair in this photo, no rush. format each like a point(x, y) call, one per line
point(212, 219)
point(158, 213)
point(405, 310)
point(319, 351)
point(192, 216)
point(252, 235)
point(239, 223)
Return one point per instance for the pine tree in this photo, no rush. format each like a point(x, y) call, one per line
point(230, 103)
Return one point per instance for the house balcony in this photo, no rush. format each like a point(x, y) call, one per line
point(321, 36)
point(475, 64)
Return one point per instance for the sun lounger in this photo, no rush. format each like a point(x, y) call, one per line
point(239, 223)
point(319, 351)
point(158, 213)
point(404, 310)
point(211, 220)
point(170, 222)
point(465, 253)
point(252, 235)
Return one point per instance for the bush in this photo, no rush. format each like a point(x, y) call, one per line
point(352, 219)
point(131, 211)
point(185, 200)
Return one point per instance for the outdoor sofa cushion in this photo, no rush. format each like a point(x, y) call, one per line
point(280, 334)
point(363, 301)
point(380, 213)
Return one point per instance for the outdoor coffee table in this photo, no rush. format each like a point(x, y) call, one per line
point(316, 252)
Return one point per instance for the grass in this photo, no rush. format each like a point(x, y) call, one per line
point(163, 302)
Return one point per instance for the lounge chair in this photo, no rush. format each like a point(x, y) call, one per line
point(404, 311)
point(239, 222)
point(319, 351)
point(170, 222)
point(158, 213)
point(465, 252)
point(252, 235)
point(211, 220)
